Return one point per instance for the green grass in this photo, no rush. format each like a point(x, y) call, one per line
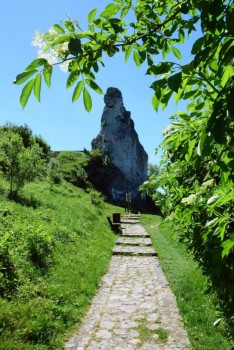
point(49, 301)
point(199, 308)
point(147, 334)
point(71, 165)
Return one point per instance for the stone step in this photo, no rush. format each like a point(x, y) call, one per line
point(135, 241)
point(130, 215)
point(133, 251)
point(130, 222)
point(136, 235)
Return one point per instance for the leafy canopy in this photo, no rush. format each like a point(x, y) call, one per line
point(143, 29)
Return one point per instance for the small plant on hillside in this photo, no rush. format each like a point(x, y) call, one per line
point(54, 172)
point(96, 198)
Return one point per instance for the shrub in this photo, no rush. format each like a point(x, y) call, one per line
point(197, 180)
point(20, 164)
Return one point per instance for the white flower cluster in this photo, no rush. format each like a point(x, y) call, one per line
point(189, 200)
point(38, 41)
point(52, 55)
point(207, 183)
point(169, 129)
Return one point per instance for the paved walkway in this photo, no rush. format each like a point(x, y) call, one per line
point(134, 308)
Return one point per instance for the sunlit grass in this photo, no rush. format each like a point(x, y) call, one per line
point(49, 305)
point(198, 307)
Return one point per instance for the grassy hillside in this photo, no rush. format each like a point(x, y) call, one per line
point(72, 165)
point(55, 246)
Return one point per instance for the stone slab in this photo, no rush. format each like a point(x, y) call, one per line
point(134, 241)
point(136, 235)
point(133, 250)
point(130, 222)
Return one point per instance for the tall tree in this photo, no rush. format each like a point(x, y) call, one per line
point(20, 164)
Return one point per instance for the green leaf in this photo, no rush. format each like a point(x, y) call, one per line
point(197, 45)
point(160, 68)
point(166, 50)
point(26, 92)
point(230, 21)
point(177, 96)
point(181, 37)
point(21, 78)
point(191, 146)
point(87, 100)
point(187, 68)
point(91, 15)
point(37, 87)
point(58, 28)
point(69, 25)
point(136, 58)
point(201, 143)
point(74, 46)
point(72, 78)
point(176, 52)
point(128, 53)
point(36, 63)
point(94, 86)
point(111, 50)
point(110, 10)
point(228, 246)
point(77, 91)
point(62, 39)
point(124, 11)
point(47, 73)
point(189, 94)
point(155, 102)
point(228, 72)
point(165, 98)
point(174, 81)
point(214, 66)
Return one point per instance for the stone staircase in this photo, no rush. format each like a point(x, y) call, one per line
point(134, 241)
point(134, 294)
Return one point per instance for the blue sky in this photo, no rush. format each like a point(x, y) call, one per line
point(67, 126)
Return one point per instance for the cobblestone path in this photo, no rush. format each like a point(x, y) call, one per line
point(134, 308)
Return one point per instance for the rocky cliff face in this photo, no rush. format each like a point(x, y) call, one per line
point(119, 141)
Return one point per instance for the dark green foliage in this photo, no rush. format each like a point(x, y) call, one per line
point(28, 138)
point(100, 171)
point(54, 172)
point(44, 146)
point(8, 273)
point(87, 169)
point(197, 181)
point(23, 131)
point(72, 165)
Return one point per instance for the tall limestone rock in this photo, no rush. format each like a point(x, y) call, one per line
point(119, 141)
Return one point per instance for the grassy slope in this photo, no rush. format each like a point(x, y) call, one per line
point(71, 161)
point(50, 304)
point(198, 307)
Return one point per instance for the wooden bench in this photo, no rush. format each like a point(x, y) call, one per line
point(115, 223)
point(116, 218)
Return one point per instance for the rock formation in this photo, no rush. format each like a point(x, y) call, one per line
point(119, 141)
